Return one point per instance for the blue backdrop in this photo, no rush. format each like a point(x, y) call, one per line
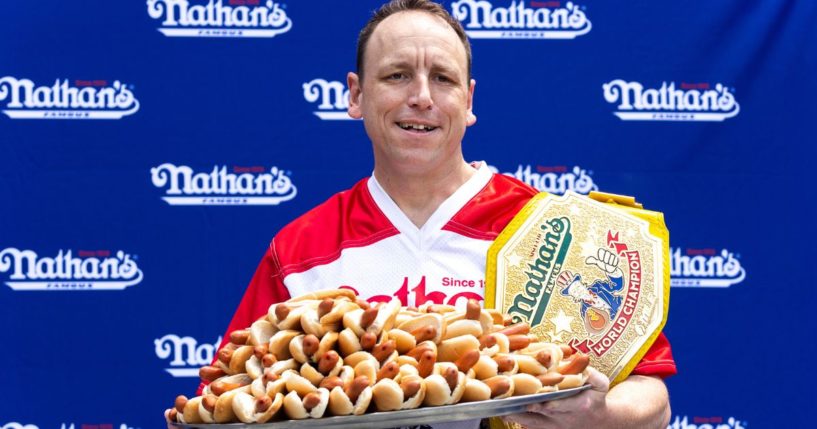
point(150, 150)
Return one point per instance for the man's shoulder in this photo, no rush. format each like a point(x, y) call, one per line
point(492, 208)
point(347, 219)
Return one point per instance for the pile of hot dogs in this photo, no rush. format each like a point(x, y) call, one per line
point(331, 353)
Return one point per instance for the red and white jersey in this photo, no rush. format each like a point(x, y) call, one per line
point(360, 239)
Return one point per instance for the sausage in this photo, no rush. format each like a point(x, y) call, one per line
point(330, 383)
point(451, 376)
point(544, 358)
point(566, 350)
point(384, 350)
point(328, 361)
point(209, 402)
point(575, 365)
point(410, 388)
point(281, 312)
point(515, 329)
point(498, 385)
point(472, 310)
point(262, 404)
point(325, 307)
point(240, 336)
point(310, 344)
point(225, 354)
point(516, 342)
point(487, 341)
point(426, 363)
point(367, 341)
point(219, 387)
point(467, 360)
point(260, 351)
point(362, 303)
point(268, 360)
point(311, 400)
point(389, 370)
point(424, 333)
point(368, 316)
point(419, 350)
point(210, 373)
point(181, 401)
point(356, 387)
point(551, 379)
point(504, 363)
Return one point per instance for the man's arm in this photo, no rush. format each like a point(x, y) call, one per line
point(637, 402)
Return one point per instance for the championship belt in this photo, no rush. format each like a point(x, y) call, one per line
point(592, 272)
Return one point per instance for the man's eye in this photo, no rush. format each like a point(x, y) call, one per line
point(396, 76)
point(443, 78)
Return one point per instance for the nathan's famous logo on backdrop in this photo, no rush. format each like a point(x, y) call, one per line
point(87, 270)
point(705, 268)
point(78, 99)
point(554, 179)
point(332, 96)
point(220, 18)
point(671, 102)
point(223, 186)
point(185, 353)
point(538, 20)
point(14, 425)
point(707, 423)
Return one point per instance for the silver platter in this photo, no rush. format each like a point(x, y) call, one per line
point(419, 416)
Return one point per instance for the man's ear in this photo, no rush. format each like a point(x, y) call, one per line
point(470, 118)
point(353, 82)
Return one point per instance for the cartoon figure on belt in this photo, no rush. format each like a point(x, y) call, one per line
point(600, 300)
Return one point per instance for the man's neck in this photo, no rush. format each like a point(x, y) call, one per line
point(419, 197)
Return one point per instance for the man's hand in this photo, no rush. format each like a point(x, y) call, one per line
point(607, 261)
point(637, 402)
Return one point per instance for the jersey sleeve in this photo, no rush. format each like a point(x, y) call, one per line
point(266, 288)
point(658, 360)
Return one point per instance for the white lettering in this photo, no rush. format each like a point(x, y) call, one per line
point(62, 101)
point(577, 179)
point(272, 187)
point(213, 18)
point(30, 272)
point(480, 17)
point(711, 270)
point(670, 103)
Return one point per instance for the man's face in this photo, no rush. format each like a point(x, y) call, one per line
point(415, 98)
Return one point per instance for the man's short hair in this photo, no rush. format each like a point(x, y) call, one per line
point(395, 6)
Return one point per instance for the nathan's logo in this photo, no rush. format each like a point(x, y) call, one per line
point(530, 305)
point(705, 268)
point(236, 186)
point(706, 423)
point(686, 102)
point(186, 354)
point(333, 97)
point(554, 179)
point(81, 99)
point(542, 20)
point(90, 270)
point(219, 18)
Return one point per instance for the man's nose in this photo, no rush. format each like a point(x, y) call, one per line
point(420, 96)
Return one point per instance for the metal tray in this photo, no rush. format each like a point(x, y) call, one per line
point(418, 416)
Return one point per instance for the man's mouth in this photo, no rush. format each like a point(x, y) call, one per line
point(416, 127)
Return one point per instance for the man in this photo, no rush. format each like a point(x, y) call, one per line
point(420, 227)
